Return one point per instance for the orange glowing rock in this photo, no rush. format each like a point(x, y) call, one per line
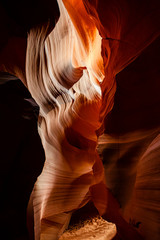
point(71, 75)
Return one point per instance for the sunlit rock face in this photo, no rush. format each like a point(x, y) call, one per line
point(65, 78)
point(71, 73)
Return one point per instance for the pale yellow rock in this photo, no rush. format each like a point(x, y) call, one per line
point(96, 228)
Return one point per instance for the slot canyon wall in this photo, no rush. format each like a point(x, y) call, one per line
point(94, 73)
point(72, 74)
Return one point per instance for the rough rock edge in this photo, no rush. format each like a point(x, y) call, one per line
point(95, 228)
